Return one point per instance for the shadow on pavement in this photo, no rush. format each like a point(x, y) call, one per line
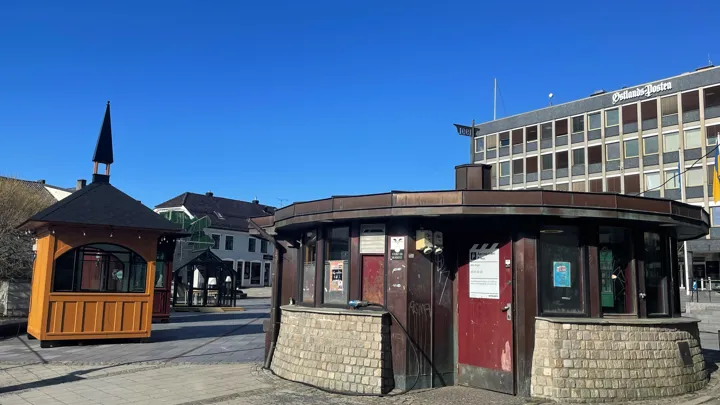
point(188, 317)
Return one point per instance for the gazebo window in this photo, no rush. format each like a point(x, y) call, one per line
point(309, 258)
point(616, 272)
point(561, 279)
point(337, 263)
point(100, 268)
point(656, 274)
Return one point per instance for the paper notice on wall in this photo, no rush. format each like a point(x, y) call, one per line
point(397, 248)
point(336, 274)
point(485, 271)
point(561, 274)
point(372, 239)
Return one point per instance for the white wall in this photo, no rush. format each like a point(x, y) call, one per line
point(240, 253)
point(57, 194)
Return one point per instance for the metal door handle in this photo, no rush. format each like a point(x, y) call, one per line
point(642, 295)
point(506, 308)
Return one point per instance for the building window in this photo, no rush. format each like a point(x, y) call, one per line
point(229, 242)
point(648, 110)
point(546, 130)
point(578, 186)
point(612, 151)
point(263, 246)
point(594, 154)
point(491, 142)
point(100, 268)
point(656, 275)
point(615, 260)
point(594, 121)
point(711, 135)
point(505, 169)
point(694, 177)
point(692, 138)
point(629, 114)
point(650, 145)
point(614, 185)
point(216, 241)
point(517, 166)
point(309, 253)
point(690, 101)
point(612, 118)
point(578, 124)
point(517, 136)
point(671, 141)
point(652, 181)
point(561, 160)
point(668, 106)
point(240, 270)
point(504, 139)
point(479, 144)
point(531, 133)
point(561, 127)
point(632, 149)
point(251, 245)
point(255, 270)
point(562, 285)
point(562, 187)
point(672, 180)
point(337, 261)
point(712, 96)
point(531, 164)
point(595, 185)
point(715, 216)
point(547, 162)
point(632, 184)
point(578, 157)
point(246, 271)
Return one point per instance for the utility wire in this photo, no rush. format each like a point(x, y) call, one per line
point(680, 173)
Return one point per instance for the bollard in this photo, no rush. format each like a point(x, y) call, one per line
point(702, 284)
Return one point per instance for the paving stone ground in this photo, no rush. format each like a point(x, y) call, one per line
point(209, 359)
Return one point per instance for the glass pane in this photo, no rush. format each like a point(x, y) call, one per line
point(615, 258)
point(479, 144)
point(672, 142)
point(491, 141)
point(631, 148)
point(652, 181)
point(246, 271)
point(216, 241)
point(651, 145)
point(578, 124)
point(594, 120)
point(255, 273)
point(337, 251)
point(672, 180)
point(160, 273)
point(504, 169)
point(693, 138)
point(715, 216)
point(612, 151)
point(63, 272)
point(711, 135)
point(546, 131)
point(547, 162)
point(694, 177)
point(560, 279)
point(309, 257)
point(611, 118)
point(578, 156)
point(656, 275)
point(505, 139)
point(668, 105)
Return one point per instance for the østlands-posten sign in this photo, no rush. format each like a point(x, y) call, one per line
point(646, 91)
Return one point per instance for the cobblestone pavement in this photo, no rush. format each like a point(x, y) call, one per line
point(190, 337)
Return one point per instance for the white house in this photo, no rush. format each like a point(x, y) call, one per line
point(249, 256)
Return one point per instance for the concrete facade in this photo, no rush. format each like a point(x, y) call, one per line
point(14, 298)
point(335, 349)
point(605, 362)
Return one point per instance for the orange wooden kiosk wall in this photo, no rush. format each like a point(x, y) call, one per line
point(88, 315)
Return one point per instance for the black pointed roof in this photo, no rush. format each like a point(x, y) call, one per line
point(104, 148)
point(101, 204)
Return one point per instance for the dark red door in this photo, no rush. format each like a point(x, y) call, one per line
point(373, 279)
point(485, 327)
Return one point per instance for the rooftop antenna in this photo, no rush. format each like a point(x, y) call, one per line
point(282, 201)
point(495, 100)
point(709, 61)
point(550, 96)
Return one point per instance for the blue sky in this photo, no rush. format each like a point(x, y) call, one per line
point(300, 100)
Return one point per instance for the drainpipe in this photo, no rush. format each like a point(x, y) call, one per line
point(276, 299)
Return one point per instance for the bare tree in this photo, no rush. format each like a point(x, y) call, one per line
point(18, 201)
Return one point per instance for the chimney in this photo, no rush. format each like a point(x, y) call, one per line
point(473, 177)
point(80, 184)
point(255, 202)
point(209, 194)
point(41, 181)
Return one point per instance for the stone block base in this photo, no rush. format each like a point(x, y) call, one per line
point(341, 350)
point(610, 360)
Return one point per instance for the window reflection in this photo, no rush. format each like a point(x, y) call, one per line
point(615, 257)
point(656, 275)
point(561, 283)
point(337, 253)
point(309, 258)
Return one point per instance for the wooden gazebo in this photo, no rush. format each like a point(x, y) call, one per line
point(94, 273)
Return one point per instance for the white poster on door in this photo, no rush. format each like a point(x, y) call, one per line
point(485, 271)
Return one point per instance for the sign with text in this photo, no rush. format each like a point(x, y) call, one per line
point(336, 274)
point(397, 248)
point(485, 271)
point(644, 91)
point(561, 274)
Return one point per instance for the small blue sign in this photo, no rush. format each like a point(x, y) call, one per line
point(561, 274)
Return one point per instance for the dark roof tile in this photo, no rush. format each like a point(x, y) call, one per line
point(224, 213)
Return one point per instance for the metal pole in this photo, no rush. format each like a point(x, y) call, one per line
point(472, 142)
point(495, 100)
point(686, 255)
